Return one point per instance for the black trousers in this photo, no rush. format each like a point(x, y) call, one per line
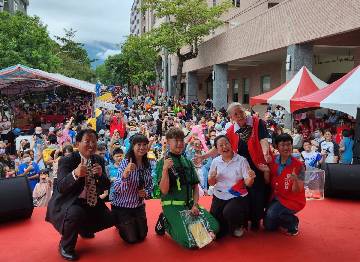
point(131, 223)
point(81, 218)
point(230, 214)
point(259, 194)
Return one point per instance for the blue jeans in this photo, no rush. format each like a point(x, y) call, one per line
point(279, 216)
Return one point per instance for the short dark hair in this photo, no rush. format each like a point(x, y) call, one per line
point(346, 133)
point(117, 150)
point(101, 147)
point(68, 149)
point(88, 131)
point(45, 170)
point(52, 139)
point(283, 138)
point(307, 141)
point(175, 132)
point(220, 137)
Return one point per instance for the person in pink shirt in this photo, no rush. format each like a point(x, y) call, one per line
point(63, 136)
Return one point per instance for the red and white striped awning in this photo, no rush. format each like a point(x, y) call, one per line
point(342, 95)
point(303, 83)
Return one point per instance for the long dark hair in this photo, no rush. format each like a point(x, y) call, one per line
point(137, 139)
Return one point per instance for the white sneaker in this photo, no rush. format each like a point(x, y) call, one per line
point(239, 232)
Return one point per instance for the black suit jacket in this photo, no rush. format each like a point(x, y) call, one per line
point(67, 189)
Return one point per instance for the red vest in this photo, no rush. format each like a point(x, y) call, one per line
point(282, 187)
point(254, 145)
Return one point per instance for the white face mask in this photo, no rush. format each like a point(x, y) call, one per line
point(27, 159)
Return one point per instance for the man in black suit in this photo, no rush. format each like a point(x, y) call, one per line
point(75, 207)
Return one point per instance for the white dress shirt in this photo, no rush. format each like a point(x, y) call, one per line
point(228, 174)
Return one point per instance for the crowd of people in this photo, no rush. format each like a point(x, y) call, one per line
point(253, 167)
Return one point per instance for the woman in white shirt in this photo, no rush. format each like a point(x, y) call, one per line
point(230, 174)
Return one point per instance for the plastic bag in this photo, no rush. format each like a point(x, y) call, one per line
point(197, 229)
point(314, 184)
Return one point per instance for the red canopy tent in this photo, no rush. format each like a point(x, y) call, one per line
point(301, 84)
point(342, 95)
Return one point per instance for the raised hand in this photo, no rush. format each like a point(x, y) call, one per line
point(81, 170)
point(267, 158)
point(129, 168)
point(293, 176)
point(214, 173)
point(213, 177)
point(251, 173)
point(142, 193)
point(168, 163)
point(97, 170)
point(263, 168)
point(199, 158)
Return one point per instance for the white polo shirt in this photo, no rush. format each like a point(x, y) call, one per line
point(228, 174)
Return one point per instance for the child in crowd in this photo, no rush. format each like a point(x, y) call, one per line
point(43, 190)
point(312, 160)
point(329, 149)
point(311, 157)
point(112, 169)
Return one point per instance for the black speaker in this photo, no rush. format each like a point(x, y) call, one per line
point(16, 200)
point(356, 149)
point(342, 180)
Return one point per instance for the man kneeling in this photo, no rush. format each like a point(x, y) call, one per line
point(286, 175)
point(75, 207)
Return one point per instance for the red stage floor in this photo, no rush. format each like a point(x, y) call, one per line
point(329, 231)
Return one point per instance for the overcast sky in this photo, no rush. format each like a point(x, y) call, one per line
point(94, 20)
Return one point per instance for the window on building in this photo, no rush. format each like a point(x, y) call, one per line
point(235, 86)
point(265, 84)
point(214, 2)
point(236, 3)
point(246, 90)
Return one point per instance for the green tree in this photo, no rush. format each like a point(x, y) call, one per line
point(103, 75)
point(25, 40)
point(74, 58)
point(136, 63)
point(186, 23)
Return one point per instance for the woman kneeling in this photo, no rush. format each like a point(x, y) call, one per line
point(132, 186)
point(230, 174)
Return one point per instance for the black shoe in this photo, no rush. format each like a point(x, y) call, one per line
point(293, 231)
point(160, 225)
point(255, 225)
point(87, 235)
point(68, 255)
